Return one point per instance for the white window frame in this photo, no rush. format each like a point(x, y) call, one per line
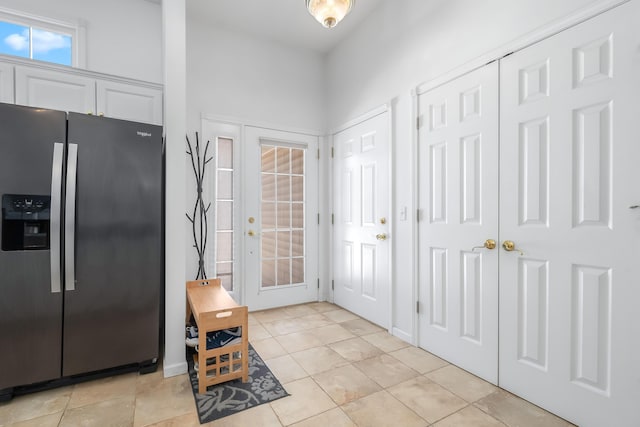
point(76, 30)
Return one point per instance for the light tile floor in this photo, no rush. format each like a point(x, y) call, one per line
point(339, 369)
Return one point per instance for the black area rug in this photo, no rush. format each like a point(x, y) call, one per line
point(231, 397)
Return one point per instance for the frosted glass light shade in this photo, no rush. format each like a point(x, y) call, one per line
point(329, 12)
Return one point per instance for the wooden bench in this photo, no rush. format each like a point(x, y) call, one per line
point(214, 310)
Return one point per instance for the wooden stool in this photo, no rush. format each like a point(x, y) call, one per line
point(215, 310)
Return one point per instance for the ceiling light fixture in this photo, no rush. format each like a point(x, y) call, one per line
point(329, 12)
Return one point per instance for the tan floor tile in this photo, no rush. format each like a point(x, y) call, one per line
point(429, 400)
point(103, 389)
point(419, 359)
point(299, 341)
point(361, 327)
point(323, 307)
point(267, 316)
point(469, 417)
point(331, 333)
point(149, 381)
point(259, 416)
point(171, 398)
point(188, 420)
point(386, 370)
point(52, 420)
point(252, 320)
point(385, 341)
point(306, 400)
point(269, 348)
point(286, 369)
point(118, 412)
point(285, 326)
point(299, 310)
point(333, 418)
point(34, 405)
point(346, 384)
point(319, 359)
point(258, 332)
point(340, 315)
point(467, 386)
point(381, 410)
point(514, 411)
point(312, 321)
point(355, 349)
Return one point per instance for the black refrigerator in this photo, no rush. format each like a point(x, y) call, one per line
point(81, 231)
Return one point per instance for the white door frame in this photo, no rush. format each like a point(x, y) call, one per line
point(520, 43)
point(385, 108)
point(242, 123)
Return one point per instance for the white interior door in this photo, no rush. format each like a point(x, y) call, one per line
point(361, 203)
point(280, 182)
point(569, 185)
point(458, 199)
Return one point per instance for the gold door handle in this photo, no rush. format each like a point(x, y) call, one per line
point(381, 236)
point(509, 246)
point(488, 244)
point(251, 233)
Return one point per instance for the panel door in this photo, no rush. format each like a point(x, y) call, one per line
point(129, 102)
point(40, 88)
point(458, 199)
point(280, 195)
point(362, 253)
point(568, 196)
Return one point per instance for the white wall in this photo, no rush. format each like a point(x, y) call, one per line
point(242, 76)
point(402, 44)
point(123, 37)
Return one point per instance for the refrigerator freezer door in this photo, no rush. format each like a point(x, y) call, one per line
point(30, 313)
point(112, 316)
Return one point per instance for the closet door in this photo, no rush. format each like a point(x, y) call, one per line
point(569, 190)
point(458, 196)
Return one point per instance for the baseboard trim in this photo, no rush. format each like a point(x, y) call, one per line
point(399, 333)
point(175, 370)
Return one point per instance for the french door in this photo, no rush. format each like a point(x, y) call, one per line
point(568, 233)
point(280, 195)
point(361, 246)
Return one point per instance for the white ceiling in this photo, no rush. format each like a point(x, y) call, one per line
point(282, 21)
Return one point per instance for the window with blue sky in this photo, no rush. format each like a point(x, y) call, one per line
point(27, 41)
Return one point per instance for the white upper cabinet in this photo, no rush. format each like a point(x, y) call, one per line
point(129, 102)
point(6, 83)
point(80, 91)
point(36, 87)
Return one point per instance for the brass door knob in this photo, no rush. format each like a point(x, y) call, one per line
point(251, 233)
point(488, 244)
point(381, 236)
point(509, 246)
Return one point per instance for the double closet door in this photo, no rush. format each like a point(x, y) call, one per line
point(529, 228)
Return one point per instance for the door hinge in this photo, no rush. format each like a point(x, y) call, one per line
point(318, 283)
point(418, 307)
point(332, 152)
point(318, 153)
point(419, 122)
point(418, 215)
point(318, 219)
point(332, 219)
point(332, 285)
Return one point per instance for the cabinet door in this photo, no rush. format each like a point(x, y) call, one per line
point(129, 102)
point(55, 90)
point(6, 83)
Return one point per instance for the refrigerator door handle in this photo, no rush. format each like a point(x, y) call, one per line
point(70, 220)
point(55, 209)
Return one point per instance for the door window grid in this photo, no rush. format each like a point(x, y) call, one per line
point(282, 213)
point(224, 212)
